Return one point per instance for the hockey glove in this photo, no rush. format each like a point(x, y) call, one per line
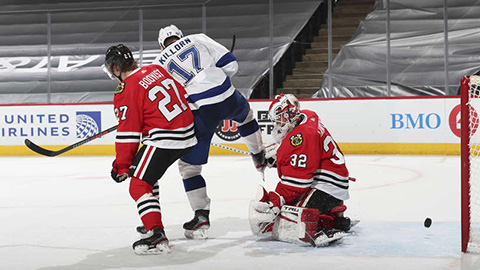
point(118, 175)
point(275, 201)
point(259, 161)
point(271, 155)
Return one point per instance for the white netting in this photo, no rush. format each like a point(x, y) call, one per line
point(474, 181)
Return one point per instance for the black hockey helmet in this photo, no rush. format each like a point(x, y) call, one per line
point(118, 54)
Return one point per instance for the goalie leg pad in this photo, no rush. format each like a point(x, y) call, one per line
point(296, 224)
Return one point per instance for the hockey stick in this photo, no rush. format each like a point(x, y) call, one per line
point(234, 38)
point(230, 148)
point(238, 151)
point(50, 153)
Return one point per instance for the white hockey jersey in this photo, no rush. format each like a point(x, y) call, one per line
point(203, 66)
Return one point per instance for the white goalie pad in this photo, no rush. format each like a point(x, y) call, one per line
point(296, 224)
point(261, 217)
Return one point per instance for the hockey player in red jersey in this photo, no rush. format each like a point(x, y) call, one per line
point(151, 109)
point(313, 178)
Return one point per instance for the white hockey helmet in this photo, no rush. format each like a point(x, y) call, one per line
point(285, 113)
point(166, 32)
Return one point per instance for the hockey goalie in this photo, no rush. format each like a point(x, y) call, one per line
point(307, 205)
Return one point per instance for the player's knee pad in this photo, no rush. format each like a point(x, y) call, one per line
point(138, 188)
point(188, 170)
point(296, 224)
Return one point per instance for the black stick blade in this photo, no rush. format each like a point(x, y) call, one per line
point(42, 151)
point(37, 149)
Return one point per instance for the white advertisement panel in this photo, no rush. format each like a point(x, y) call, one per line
point(55, 124)
point(358, 122)
point(397, 120)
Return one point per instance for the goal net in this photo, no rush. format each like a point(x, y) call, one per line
point(470, 163)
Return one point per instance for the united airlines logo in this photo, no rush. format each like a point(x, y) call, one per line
point(227, 130)
point(88, 124)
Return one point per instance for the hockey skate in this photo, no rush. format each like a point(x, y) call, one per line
point(155, 244)
point(143, 232)
point(197, 228)
point(326, 237)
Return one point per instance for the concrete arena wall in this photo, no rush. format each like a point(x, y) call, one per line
point(409, 126)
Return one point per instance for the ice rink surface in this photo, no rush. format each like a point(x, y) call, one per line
point(66, 213)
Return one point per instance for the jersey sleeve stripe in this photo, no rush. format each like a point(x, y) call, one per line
point(171, 138)
point(226, 59)
point(129, 133)
point(331, 183)
point(185, 130)
point(128, 137)
point(331, 175)
point(296, 182)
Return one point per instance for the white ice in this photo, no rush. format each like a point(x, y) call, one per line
point(66, 213)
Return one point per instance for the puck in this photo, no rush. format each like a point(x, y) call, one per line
point(427, 223)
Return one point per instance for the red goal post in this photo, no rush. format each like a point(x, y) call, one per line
point(470, 163)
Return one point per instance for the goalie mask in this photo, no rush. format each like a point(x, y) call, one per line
point(167, 32)
point(285, 113)
point(118, 55)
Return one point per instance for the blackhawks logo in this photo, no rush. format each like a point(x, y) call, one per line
point(296, 140)
point(120, 88)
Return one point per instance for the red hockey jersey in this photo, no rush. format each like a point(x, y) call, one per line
point(151, 108)
point(309, 157)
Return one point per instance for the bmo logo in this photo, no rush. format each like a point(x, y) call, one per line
point(415, 121)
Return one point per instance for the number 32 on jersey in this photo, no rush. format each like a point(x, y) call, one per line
point(300, 160)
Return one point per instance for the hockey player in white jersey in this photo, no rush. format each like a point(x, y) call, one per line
point(204, 67)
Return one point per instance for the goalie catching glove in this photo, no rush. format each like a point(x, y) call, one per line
point(118, 174)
